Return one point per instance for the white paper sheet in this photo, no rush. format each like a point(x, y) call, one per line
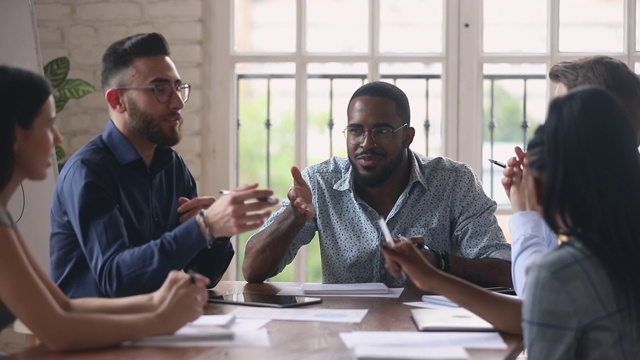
point(224, 320)
point(323, 315)
point(381, 352)
point(297, 291)
point(439, 300)
point(344, 289)
point(247, 324)
point(475, 340)
point(423, 304)
point(241, 338)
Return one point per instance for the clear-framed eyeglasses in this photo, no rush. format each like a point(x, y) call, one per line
point(164, 91)
point(380, 134)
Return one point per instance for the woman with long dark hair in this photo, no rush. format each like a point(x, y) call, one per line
point(582, 173)
point(27, 139)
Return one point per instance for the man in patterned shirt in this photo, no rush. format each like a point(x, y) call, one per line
point(437, 202)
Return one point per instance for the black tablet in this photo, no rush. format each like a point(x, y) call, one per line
point(268, 300)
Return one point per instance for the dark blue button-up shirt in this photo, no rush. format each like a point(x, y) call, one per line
point(115, 227)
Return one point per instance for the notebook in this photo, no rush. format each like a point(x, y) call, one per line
point(344, 289)
point(454, 319)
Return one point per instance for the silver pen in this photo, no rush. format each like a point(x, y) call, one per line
point(263, 198)
point(418, 245)
point(496, 162)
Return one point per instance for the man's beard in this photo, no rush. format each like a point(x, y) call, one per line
point(374, 181)
point(143, 124)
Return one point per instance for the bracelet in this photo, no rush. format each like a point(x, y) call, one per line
point(446, 259)
point(202, 218)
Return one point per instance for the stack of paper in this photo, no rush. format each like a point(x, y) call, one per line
point(190, 333)
point(205, 328)
point(345, 289)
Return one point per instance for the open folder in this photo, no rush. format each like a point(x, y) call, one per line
point(344, 289)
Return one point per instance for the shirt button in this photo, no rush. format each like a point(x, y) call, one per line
point(383, 271)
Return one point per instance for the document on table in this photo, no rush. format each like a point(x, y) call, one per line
point(452, 319)
point(323, 315)
point(189, 333)
point(344, 289)
point(475, 340)
point(381, 352)
point(298, 291)
point(224, 320)
point(439, 300)
point(213, 330)
point(433, 302)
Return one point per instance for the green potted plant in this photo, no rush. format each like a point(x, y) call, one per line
point(65, 89)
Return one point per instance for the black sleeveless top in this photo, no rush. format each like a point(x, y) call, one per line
point(6, 317)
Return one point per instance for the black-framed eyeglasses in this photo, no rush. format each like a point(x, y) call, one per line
point(381, 134)
point(164, 91)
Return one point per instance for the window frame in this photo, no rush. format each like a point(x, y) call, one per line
point(462, 108)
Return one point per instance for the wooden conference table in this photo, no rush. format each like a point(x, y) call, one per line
point(289, 339)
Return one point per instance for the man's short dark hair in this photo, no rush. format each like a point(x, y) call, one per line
point(119, 56)
point(605, 72)
point(387, 91)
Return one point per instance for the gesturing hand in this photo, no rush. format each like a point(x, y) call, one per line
point(300, 195)
point(239, 211)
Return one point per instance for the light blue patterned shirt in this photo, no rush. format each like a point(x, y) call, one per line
point(443, 201)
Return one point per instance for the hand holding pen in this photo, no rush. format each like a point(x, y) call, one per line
point(513, 181)
point(498, 163)
point(238, 212)
point(267, 199)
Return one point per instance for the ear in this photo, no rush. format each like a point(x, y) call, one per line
point(538, 192)
point(115, 100)
point(409, 134)
point(19, 135)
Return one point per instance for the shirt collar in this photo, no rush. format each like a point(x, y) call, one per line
point(126, 153)
point(415, 175)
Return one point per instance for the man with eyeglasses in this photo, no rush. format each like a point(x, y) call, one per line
point(126, 210)
point(437, 203)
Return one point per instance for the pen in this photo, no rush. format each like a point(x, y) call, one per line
point(192, 277)
point(418, 245)
point(495, 162)
point(385, 232)
point(263, 198)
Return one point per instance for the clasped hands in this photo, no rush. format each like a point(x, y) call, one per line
point(516, 181)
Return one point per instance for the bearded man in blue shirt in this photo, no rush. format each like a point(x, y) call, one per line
point(126, 210)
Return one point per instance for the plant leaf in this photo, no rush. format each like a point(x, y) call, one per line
point(75, 88)
point(61, 101)
point(60, 154)
point(57, 70)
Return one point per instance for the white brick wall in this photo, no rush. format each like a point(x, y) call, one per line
point(83, 29)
